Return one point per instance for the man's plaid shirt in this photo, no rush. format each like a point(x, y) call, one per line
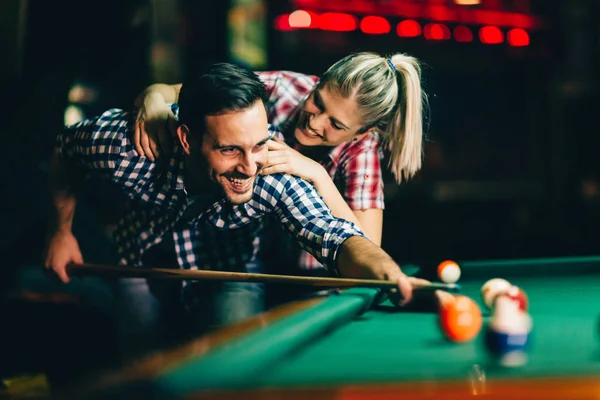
point(223, 236)
point(354, 167)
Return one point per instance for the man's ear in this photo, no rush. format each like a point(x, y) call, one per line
point(183, 133)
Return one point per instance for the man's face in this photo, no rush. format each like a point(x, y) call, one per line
point(234, 148)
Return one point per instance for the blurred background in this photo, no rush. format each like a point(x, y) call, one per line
point(511, 159)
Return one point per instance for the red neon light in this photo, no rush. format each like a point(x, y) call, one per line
point(408, 28)
point(374, 25)
point(303, 19)
point(436, 32)
point(282, 23)
point(441, 13)
point(339, 22)
point(414, 10)
point(517, 37)
point(491, 35)
point(462, 34)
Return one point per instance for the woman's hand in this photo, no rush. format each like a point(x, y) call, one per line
point(284, 159)
point(154, 127)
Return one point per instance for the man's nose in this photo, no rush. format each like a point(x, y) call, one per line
point(249, 164)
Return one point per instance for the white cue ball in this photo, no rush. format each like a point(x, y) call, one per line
point(449, 272)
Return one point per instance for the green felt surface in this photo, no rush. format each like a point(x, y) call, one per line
point(388, 346)
point(338, 343)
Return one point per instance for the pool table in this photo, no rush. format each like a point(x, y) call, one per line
point(349, 346)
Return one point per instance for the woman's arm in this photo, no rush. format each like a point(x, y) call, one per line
point(360, 169)
point(284, 159)
point(334, 200)
point(371, 221)
point(152, 133)
point(169, 93)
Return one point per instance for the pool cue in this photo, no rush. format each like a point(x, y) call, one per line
point(181, 274)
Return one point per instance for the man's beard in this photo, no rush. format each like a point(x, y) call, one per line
point(237, 188)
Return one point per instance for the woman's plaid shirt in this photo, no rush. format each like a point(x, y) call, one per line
point(354, 167)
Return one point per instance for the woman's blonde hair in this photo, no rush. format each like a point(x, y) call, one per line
point(388, 93)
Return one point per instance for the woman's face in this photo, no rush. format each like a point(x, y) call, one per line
point(327, 119)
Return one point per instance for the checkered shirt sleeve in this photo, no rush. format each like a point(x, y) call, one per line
point(94, 144)
point(101, 146)
point(304, 215)
point(287, 91)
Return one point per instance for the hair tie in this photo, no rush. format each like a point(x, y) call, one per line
point(391, 65)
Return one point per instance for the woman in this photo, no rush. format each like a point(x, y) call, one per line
point(336, 129)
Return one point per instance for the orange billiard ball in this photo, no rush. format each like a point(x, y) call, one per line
point(448, 271)
point(459, 318)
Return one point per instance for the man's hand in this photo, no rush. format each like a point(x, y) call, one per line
point(360, 258)
point(404, 294)
point(62, 249)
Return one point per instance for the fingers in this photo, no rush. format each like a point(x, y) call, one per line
point(145, 143)
point(153, 141)
point(277, 157)
point(61, 271)
point(275, 144)
point(136, 138)
point(405, 289)
point(59, 267)
point(77, 258)
point(273, 169)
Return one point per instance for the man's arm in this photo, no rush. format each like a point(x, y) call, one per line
point(360, 258)
point(91, 145)
point(62, 247)
point(338, 244)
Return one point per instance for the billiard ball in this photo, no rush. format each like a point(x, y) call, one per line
point(517, 294)
point(508, 315)
point(448, 271)
point(507, 348)
point(492, 288)
point(507, 337)
point(459, 318)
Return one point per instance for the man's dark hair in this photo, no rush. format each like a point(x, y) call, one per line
point(217, 89)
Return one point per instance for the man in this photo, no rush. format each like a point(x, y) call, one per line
point(206, 207)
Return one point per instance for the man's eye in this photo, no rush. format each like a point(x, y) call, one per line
point(336, 127)
point(228, 151)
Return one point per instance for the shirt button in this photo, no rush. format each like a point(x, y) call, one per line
point(366, 176)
